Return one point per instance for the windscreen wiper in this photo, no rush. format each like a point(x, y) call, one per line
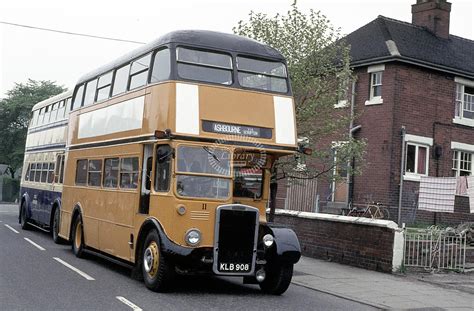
point(211, 153)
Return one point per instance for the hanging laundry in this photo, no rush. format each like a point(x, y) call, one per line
point(437, 194)
point(470, 192)
point(461, 187)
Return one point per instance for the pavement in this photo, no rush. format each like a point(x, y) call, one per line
point(387, 291)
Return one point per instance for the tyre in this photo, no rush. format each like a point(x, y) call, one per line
point(278, 279)
point(23, 219)
point(156, 270)
point(385, 213)
point(55, 226)
point(78, 237)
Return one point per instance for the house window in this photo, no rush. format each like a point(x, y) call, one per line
point(375, 92)
point(462, 163)
point(376, 84)
point(416, 159)
point(464, 101)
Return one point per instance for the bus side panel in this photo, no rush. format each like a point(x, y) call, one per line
point(40, 205)
point(120, 208)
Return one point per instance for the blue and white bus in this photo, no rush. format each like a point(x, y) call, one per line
point(43, 166)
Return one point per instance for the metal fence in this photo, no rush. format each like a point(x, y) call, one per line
point(435, 249)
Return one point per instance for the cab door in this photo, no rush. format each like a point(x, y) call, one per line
point(145, 187)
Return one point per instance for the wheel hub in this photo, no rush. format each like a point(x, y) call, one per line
point(150, 259)
point(78, 237)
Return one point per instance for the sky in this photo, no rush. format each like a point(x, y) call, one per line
point(39, 55)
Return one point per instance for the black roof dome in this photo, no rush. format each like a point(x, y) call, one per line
point(198, 38)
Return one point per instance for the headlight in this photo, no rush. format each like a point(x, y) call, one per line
point(193, 237)
point(268, 240)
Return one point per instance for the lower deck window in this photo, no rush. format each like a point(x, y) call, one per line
point(81, 172)
point(129, 173)
point(111, 171)
point(95, 173)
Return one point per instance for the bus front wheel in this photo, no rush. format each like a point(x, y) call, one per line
point(278, 279)
point(78, 237)
point(23, 219)
point(157, 272)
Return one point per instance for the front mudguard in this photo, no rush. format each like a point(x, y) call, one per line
point(286, 247)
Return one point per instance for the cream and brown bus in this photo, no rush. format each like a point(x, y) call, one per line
point(42, 179)
point(169, 155)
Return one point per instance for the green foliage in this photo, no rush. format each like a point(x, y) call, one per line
point(15, 112)
point(319, 66)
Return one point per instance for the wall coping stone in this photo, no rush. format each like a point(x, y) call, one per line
point(339, 218)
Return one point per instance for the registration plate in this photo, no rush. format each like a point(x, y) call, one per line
point(234, 267)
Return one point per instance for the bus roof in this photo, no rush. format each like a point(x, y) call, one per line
point(52, 99)
point(198, 38)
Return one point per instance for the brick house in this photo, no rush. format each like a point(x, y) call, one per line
point(419, 77)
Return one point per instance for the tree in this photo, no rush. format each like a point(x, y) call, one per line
point(319, 66)
point(15, 111)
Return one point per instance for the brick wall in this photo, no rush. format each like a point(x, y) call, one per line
point(363, 243)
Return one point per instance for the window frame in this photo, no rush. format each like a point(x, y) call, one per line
point(152, 65)
point(132, 74)
point(415, 170)
point(78, 90)
point(117, 177)
point(101, 87)
point(125, 90)
point(460, 102)
point(245, 71)
point(169, 162)
point(132, 172)
point(77, 170)
point(457, 161)
point(99, 171)
point(176, 62)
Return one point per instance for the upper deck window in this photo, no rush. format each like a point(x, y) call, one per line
point(34, 119)
point(139, 72)
point(104, 85)
point(61, 109)
point(161, 66)
point(90, 92)
point(47, 113)
point(204, 66)
point(121, 79)
point(262, 75)
point(54, 112)
point(78, 97)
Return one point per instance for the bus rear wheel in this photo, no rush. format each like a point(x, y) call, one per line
point(156, 270)
point(55, 226)
point(78, 237)
point(23, 219)
point(278, 279)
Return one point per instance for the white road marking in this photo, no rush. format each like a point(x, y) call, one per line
point(11, 228)
point(129, 303)
point(83, 274)
point(35, 245)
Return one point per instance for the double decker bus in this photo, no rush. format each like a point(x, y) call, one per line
point(41, 182)
point(169, 155)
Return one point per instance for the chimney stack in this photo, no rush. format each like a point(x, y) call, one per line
point(432, 14)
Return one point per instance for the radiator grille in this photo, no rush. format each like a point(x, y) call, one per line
point(236, 239)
